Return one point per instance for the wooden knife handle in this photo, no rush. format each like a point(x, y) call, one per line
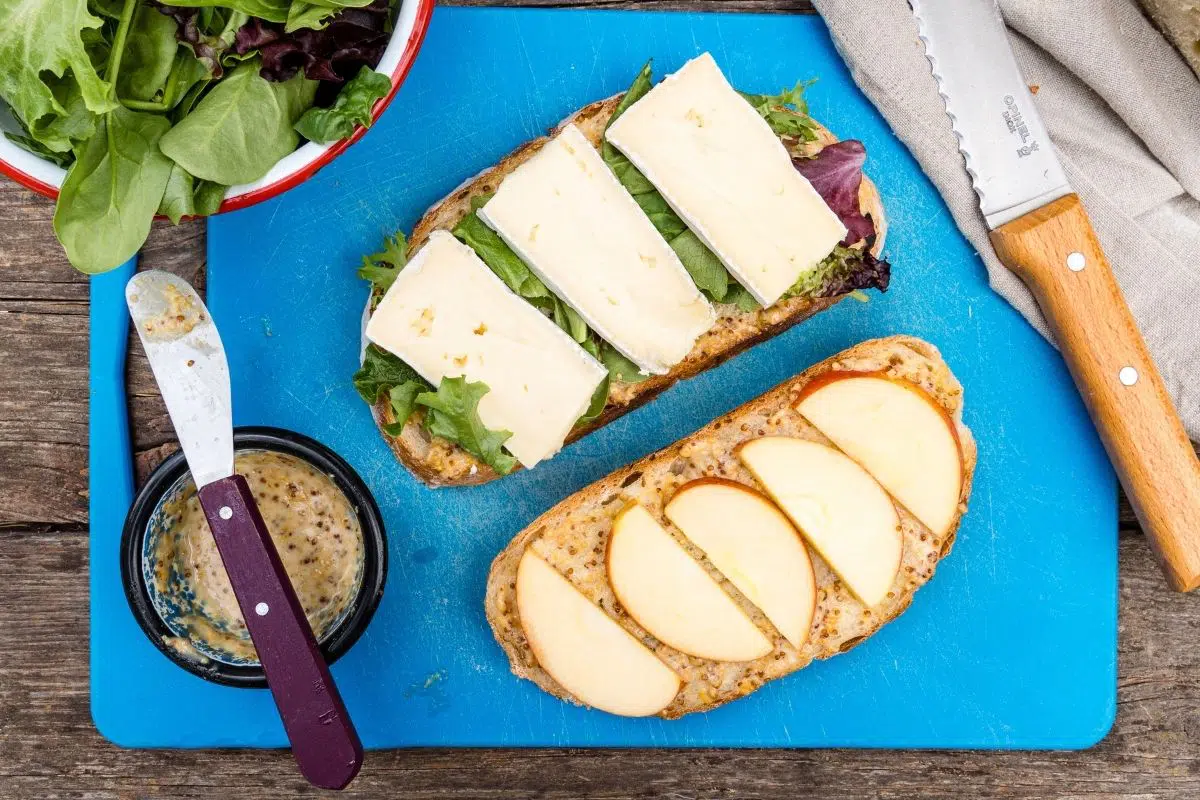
point(1055, 252)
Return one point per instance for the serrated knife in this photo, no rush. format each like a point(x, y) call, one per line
point(1041, 232)
point(188, 360)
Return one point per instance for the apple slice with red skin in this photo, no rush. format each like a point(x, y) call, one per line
point(898, 433)
point(838, 507)
point(673, 597)
point(587, 652)
point(753, 544)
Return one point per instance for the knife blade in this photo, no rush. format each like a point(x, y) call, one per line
point(1002, 138)
point(188, 361)
point(1042, 233)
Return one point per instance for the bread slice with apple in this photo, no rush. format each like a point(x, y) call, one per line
point(778, 534)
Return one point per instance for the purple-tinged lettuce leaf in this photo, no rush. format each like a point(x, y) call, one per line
point(836, 174)
point(355, 38)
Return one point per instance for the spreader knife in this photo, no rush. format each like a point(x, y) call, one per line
point(188, 361)
point(1041, 232)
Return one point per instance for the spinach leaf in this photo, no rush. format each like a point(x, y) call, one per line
point(241, 128)
point(179, 197)
point(270, 10)
point(352, 107)
point(499, 257)
point(632, 179)
point(149, 55)
point(41, 41)
point(315, 14)
point(707, 271)
point(598, 404)
point(208, 197)
point(453, 414)
point(382, 268)
point(112, 190)
point(619, 366)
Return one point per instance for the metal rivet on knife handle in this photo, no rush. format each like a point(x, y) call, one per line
point(1099, 339)
point(1076, 261)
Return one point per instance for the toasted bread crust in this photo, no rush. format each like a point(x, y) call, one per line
point(572, 535)
point(441, 463)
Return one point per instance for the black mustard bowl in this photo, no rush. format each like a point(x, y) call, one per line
point(158, 614)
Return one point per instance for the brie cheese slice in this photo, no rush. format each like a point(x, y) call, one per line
point(447, 315)
point(568, 217)
point(729, 177)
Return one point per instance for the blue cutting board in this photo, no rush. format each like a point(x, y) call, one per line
point(1012, 645)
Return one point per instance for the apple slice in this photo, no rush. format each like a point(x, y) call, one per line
point(673, 597)
point(899, 434)
point(838, 507)
point(585, 650)
point(754, 545)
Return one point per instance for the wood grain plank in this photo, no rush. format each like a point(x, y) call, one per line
point(51, 750)
point(43, 361)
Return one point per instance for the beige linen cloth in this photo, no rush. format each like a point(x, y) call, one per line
point(1123, 110)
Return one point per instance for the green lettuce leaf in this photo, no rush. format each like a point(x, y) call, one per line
point(380, 372)
point(351, 108)
point(403, 400)
point(453, 414)
point(382, 268)
point(786, 112)
point(41, 40)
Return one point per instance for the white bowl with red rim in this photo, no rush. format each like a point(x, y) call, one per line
point(412, 21)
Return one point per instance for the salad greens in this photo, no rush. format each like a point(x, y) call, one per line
point(157, 108)
point(452, 410)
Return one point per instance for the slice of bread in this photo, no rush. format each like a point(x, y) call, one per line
point(441, 463)
point(572, 536)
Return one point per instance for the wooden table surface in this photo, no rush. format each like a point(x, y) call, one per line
point(49, 749)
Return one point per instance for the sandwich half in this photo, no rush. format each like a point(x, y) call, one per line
point(717, 277)
point(790, 529)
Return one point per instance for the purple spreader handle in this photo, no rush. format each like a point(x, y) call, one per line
point(324, 743)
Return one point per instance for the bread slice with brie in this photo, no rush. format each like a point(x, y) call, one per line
point(788, 530)
point(652, 275)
